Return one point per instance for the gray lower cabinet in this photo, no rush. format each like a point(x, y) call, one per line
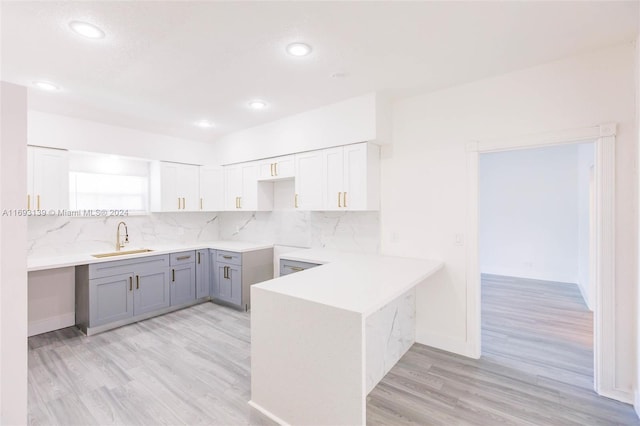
point(233, 273)
point(229, 283)
point(183, 284)
point(151, 291)
point(111, 299)
point(203, 282)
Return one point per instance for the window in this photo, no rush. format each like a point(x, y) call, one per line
point(107, 182)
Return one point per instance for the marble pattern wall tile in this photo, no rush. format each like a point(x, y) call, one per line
point(390, 332)
point(349, 231)
point(57, 235)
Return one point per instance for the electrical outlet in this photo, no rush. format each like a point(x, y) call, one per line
point(459, 239)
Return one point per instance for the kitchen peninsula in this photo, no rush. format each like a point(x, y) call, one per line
point(322, 338)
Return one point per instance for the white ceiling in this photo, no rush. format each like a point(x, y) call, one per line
point(164, 65)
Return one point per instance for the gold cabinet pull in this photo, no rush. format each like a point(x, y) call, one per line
point(173, 275)
point(227, 257)
point(344, 199)
point(295, 201)
point(178, 203)
point(183, 257)
point(296, 268)
point(239, 202)
point(271, 167)
point(38, 201)
point(200, 203)
point(130, 283)
point(28, 202)
point(339, 199)
point(275, 169)
point(184, 203)
point(198, 258)
point(237, 206)
point(137, 282)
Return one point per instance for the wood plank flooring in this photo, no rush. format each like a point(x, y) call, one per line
point(536, 367)
point(189, 367)
point(192, 367)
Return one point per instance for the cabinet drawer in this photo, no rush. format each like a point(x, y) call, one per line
point(183, 257)
point(229, 257)
point(291, 266)
point(128, 266)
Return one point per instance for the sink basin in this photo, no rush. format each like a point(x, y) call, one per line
point(121, 253)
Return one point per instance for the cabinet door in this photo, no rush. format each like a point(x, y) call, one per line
point(229, 283)
point(170, 200)
point(110, 299)
point(213, 274)
point(151, 291)
point(266, 168)
point(284, 167)
point(333, 169)
point(183, 284)
point(355, 177)
point(50, 178)
point(211, 189)
point(203, 286)
point(309, 181)
point(189, 187)
point(232, 187)
point(249, 196)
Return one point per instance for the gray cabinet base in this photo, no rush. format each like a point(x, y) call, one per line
point(91, 331)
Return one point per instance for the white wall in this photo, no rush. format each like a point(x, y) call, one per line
point(59, 131)
point(586, 154)
point(359, 119)
point(424, 177)
point(13, 267)
point(528, 213)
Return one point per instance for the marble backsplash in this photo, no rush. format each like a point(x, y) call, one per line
point(59, 235)
point(349, 231)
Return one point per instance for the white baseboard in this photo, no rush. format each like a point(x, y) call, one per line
point(456, 346)
point(268, 414)
point(52, 323)
point(636, 403)
point(618, 395)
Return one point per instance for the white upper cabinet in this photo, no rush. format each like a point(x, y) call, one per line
point(243, 191)
point(179, 188)
point(211, 188)
point(277, 168)
point(343, 178)
point(309, 185)
point(47, 178)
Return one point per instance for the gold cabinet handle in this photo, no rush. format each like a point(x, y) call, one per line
point(224, 272)
point(339, 199)
point(344, 199)
point(198, 258)
point(237, 207)
point(227, 257)
point(130, 283)
point(183, 257)
point(28, 202)
point(137, 282)
point(271, 167)
point(239, 202)
point(296, 268)
point(200, 203)
point(184, 203)
point(295, 201)
point(38, 201)
point(173, 275)
point(178, 203)
point(275, 169)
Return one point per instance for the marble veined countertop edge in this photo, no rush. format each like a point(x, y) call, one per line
point(69, 260)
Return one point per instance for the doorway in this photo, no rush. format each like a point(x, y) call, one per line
point(534, 248)
point(604, 183)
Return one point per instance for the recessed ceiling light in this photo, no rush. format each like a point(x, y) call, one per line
point(46, 85)
point(204, 124)
point(258, 104)
point(86, 29)
point(298, 49)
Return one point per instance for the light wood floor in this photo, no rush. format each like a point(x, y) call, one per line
point(536, 367)
point(192, 367)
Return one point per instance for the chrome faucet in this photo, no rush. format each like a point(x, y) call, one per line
point(119, 244)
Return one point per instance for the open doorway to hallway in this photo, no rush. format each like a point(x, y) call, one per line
point(535, 252)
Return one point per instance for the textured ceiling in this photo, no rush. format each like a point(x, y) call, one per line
point(164, 65)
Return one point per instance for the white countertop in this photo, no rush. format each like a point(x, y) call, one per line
point(354, 282)
point(62, 261)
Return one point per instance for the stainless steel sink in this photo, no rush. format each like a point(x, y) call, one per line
point(121, 253)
